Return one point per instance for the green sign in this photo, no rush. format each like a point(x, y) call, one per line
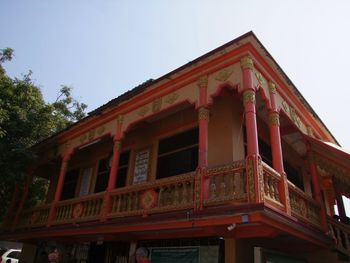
point(175, 255)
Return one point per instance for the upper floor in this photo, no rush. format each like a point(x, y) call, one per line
point(226, 131)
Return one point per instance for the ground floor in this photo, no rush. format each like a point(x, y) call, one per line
point(185, 250)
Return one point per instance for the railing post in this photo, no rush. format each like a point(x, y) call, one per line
point(113, 174)
point(276, 147)
point(254, 168)
point(59, 187)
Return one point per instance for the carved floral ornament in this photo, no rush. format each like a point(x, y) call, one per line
point(203, 114)
point(156, 105)
point(249, 96)
point(224, 74)
point(90, 135)
point(274, 118)
point(291, 112)
point(143, 110)
point(171, 98)
point(251, 182)
point(247, 63)
point(118, 145)
point(203, 82)
point(260, 78)
point(272, 87)
point(120, 119)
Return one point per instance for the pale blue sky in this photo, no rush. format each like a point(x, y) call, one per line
point(103, 48)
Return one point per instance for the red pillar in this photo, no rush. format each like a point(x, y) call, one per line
point(23, 200)
point(202, 183)
point(113, 174)
point(59, 186)
point(317, 191)
point(276, 148)
point(254, 166)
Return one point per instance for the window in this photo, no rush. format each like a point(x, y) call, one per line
point(70, 184)
point(102, 175)
point(122, 169)
point(178, 154)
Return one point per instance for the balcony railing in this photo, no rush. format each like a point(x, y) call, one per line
point(303, 206)
point(227, 184)
point(340, 233)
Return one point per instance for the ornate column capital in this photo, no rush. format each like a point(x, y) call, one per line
point(203, 114)
point(120, 119)
point(202, 81)
point(117, 145)
point(274, 118)
point(247, 63)
point(272, 87)
point(248, 96)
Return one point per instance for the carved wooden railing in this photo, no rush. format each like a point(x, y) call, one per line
point(79, 209)
point(173, 193)
point(227, 183)
point(340, 232)
point(272, 180)
point(303, 206)
point(34, 217)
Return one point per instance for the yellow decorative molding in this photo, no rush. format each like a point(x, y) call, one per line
point(202, 82)
point(272, 87)
point(247, 63)
point(203, 114)
point(91, 134)
point(171, 98)
point(100, 130)
point(251, 182)
point(274, 118)
point(143, 110)
point(260, 78)
point(248, 96)
point(118, 145)
point(291, 112)
point(156, 105)
point(120, 119)
point(310, 131)
point(261, 179)
point(285, 107)
point(224, 74)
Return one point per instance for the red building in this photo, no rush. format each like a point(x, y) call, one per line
point(220, 160)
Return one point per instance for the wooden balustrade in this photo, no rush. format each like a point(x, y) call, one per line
point(272, 181)
point(79, 209)
point(34, 217)
point(173, 193)
point(303, 206)
point(340, 233)
point(227, 183)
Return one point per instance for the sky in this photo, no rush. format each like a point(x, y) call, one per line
point(103, 48)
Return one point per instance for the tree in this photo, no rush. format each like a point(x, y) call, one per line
point(26, 119)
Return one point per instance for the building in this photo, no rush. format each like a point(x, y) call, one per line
point(220, 160)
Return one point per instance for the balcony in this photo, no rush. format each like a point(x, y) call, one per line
point(227, 186)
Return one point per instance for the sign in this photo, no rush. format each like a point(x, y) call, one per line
point(175, 255)
point(141, 166)
point(85, 181)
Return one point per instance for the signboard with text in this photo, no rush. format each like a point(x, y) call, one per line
point(141, 166)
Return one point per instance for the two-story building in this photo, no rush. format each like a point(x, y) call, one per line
point(221, 160)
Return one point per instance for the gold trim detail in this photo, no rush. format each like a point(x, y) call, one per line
point(117, 145)
point(171, 98)
point(143, 111)
point(156, 105)
point(224, 74)
point(202, 82)
point(251, 183)
point(249, 96)
point(291, 112)
point(91, 134)
point(260, 78)
point(100, 130)
point(274, 118)
point(247, 63)
point(261, 179)
point(120, 119)
point(203, 114)
point(310, 131)
point(272, 87)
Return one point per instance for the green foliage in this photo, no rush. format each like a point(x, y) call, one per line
point(26, 119)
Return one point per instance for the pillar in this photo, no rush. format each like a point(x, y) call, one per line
point(23, 200)
point(253, 159)
point(113, 173)
point(230, 250)
point(276, 148)
point(59, 186)
point(317, 190)
point(202, 182)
